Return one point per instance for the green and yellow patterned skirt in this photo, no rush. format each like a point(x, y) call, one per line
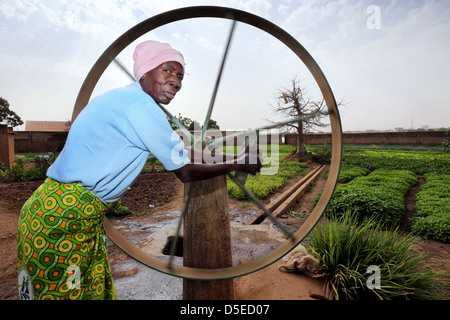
point(61, 245)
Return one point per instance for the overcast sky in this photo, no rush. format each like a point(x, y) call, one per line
point(388, 60)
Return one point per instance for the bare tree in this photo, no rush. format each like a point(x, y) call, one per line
point(292, 102)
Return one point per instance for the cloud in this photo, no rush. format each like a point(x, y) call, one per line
point(259, 7)
point(208, 42)
point(99, 19)
point(19, 9)
point(394, 70)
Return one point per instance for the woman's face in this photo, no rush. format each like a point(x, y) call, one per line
point(163, 82)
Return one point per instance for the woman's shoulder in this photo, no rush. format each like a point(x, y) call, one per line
point(129, 98)
point(132, 91)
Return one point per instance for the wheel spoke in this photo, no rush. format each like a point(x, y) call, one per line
point(219, 76)
point(177, 123)
point(239, 175)
point(261, 206)
point(122, 67)
point(173, 247)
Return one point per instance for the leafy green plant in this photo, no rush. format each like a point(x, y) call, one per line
point(445, 145)
point(346, 249)
point(432, 214)
point(37, 173)
point(349, 172)
point(259, 185)
point(381, 195)
point(16, 172)
point(322, 154)
point(420, 162)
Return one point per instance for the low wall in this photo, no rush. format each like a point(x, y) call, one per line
point(413, 138)
point(43, 142)
point(33, 141)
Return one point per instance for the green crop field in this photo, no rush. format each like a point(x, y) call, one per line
point(392, 173)
point(374, 182)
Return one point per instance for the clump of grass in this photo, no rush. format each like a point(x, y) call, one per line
point(348, 250)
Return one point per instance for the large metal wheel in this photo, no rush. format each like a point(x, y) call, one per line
point(293, 239)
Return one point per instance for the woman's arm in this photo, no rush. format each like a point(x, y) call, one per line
point(197, 156)
point(200, 171)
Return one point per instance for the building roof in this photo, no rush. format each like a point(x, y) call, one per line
point(60, 126)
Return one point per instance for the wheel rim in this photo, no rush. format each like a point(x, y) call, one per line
point(232, 14)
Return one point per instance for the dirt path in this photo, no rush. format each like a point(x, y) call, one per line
point(410, 199)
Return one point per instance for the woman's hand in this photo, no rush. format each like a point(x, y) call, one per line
point(248, 161)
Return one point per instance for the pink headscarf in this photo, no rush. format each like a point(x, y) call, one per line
point(150, 54)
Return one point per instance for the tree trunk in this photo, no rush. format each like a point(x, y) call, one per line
point(301, 151)
point(207, 239)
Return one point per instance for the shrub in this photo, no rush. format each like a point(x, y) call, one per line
point(322, 154)
point(16, 172)
point(445, 145)
point(37, 173)
point(346, 249)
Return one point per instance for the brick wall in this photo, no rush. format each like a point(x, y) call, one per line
point(413, 138)
point(33, 141)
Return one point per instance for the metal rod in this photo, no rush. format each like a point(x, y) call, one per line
point(121, 66)
point(286, 232)
point(219, 76)
point(173, 247)
point(177, 123)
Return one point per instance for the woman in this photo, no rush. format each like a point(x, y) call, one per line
point(61, 241)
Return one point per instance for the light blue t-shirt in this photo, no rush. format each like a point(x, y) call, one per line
point(109, 142)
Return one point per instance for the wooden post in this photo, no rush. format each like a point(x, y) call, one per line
point(6, 145)
point(207, 239)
